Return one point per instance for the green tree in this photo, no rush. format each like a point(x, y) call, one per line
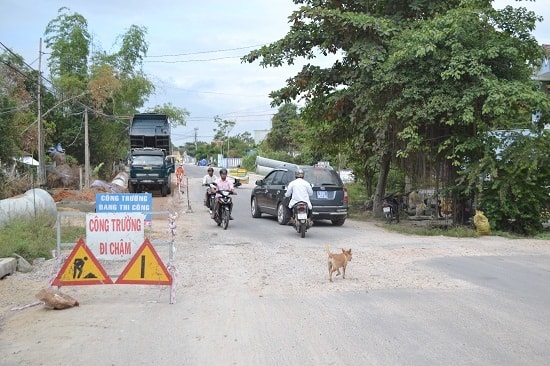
point(515, 191)
point(280, 137)
point(14, 101)
point(240, 145)
point(410, 80)
point(111, 87)
point(448, 87)
point(68, 39)
point(176, 116)
point(222, 130)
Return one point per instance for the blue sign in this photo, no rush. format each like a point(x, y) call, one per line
point(125, 202)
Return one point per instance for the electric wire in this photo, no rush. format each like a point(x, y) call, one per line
point(122, 119)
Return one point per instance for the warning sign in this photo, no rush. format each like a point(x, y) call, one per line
point(114, 236)
point(81, 268)
point(145, 268)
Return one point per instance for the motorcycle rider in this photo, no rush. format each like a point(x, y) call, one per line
point(223, 184)
point(206, 181)
point(299, 190)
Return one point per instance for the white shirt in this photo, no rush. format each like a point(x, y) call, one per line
point(209, 179)
point(299, 190)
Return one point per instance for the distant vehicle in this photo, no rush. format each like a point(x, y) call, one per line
point(329, 200)
point(149, 160)
point(202, 162)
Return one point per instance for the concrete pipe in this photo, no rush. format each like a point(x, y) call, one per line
point(34, 202)
point(265, 165)
point(121, 179)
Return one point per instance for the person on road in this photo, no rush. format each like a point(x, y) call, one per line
point(206, 181)
point(179, 177)
point(223, 184)
point(299, 190)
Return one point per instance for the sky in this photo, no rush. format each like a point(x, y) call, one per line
point(194, 51)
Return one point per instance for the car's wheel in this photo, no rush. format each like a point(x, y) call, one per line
point(254, 209)
point(338, 222)
point(282, 214)
point(163, 190)
point(131, 188)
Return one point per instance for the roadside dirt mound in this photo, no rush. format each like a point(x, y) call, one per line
point(86, 195)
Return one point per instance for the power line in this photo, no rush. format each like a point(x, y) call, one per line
point(11, 110)
point(203, 52)
point(195, 60)
point(19, 57)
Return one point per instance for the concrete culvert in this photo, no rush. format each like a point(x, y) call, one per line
point(35, 202)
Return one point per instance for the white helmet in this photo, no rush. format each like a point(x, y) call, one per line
point(299, 173)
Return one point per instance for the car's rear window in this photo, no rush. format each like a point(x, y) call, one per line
point(322, 177)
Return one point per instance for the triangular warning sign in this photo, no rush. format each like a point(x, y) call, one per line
point(145, 268)
point(81, 268)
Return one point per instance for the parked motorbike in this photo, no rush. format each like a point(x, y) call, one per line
point(223, 213)
point(211, 194)
point(390, 207)
point(300, 216)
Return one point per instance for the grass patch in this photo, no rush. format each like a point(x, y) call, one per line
point(34, 238)
point(452, 231)
point(544, 235)
point(356, 194)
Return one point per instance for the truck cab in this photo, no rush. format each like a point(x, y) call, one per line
point(150, 169)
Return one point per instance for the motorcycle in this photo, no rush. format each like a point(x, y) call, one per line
point(390, 207)
point(300, 216)
point(223, 214)
point(211, 194)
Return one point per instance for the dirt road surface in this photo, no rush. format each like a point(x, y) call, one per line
point(257, 294)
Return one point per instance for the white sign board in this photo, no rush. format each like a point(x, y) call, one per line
point(114, 236)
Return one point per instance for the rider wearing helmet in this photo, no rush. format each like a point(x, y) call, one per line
point(299, 190)
point(207, 180)
point(224, 184)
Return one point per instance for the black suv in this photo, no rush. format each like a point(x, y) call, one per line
point(329, 200)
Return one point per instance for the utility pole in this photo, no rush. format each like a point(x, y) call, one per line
point(229, 129)
point(41, 158)
point(86, 151)
point(196, 129)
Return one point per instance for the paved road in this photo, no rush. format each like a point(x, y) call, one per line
point(258, 294)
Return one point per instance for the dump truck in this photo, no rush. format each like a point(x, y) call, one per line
point(149, 160)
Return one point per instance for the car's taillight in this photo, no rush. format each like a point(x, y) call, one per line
point(346, 198)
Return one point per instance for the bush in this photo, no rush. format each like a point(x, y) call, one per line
point(249, 162)
point(516, 195)
point(357, 196)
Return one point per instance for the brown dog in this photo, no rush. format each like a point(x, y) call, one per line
point(337, 261)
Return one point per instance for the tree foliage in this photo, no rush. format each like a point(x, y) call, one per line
point(411, 82)
point(223, 128)
point(13, 93)
point(111, 87)
point(68, 39)
point(515, 192)
point(176, 116)
point(281, 137)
